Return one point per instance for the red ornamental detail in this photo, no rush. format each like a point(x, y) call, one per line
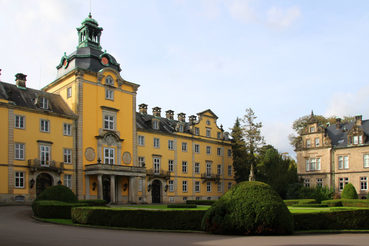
point(104, 61)
point(65, 63)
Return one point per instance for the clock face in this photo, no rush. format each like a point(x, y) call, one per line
point(105, 61)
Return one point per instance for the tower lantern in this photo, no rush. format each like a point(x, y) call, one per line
point(89, 33)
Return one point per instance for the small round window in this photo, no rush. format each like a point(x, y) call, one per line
point(208, 122)
point(109, 81)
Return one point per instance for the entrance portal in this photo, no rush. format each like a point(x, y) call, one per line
point(155, 193)
point(43, 181)
point(106, 188)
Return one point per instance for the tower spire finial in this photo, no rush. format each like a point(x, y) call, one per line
point(89, 15)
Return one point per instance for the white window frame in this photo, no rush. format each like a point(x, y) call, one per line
point(197, 131)
point(141, 140)
point(19, 180)
point(109, 94)
point(184, 147)
point(155, 125)
point(363, 183)
point(208, 186)
point(45, 155)
point(141, 161)
point(68, 180)
point(219, 187)
point(197, 186)
point(184, 167)
point(317, 142)
point(319, 182)
point(219, 151)
point(109, 80)
point(208, 150)
point(208, 132)
point(109, 156)
point(109, 122)
point(19, 121)
point(19, 151)
point(171, 165)
point(197, 168)
point(307, 183)
point(184, 186)
point(44, 103)
point(366, 160)
point(308, 143)
point(67, 156)
point(156, 165)
point(140, 185)
point(219, 169)
point(156, 143)
point(170, 144)
point(208, 169)
point(346, 162)
point(69, 92)
point(67, 129)
point(171, 185)
point(197, 148)
point(342, 182)
point(44, 125)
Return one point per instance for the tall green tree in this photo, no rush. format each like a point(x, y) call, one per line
point(240, 164)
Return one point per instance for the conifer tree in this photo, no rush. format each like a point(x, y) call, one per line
point(241, 169)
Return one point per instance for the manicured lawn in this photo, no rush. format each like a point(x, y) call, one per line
point(318, 210)
point(159, 207)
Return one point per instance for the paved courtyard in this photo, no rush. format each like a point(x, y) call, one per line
point(18, 228)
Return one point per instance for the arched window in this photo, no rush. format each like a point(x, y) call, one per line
point(109, 81)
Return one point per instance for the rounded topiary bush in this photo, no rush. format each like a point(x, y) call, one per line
point(58, 193)
point(349, 192)
point(249, 208)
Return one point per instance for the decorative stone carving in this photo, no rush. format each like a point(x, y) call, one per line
point(90, 154)
point(110, 140)
point(126, 157)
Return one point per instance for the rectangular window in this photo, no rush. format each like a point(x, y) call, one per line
point(67, 129)
point(345, 162)
point(307, 165)
point(140, 185)
point(219, 151)
point(317, 142)
point(208, 169)
point(317, 165)
point(366, 160)
point(219, 169)
point(141, 161)
point(184, 186)
point(308, 143)
point(68, 180)
point(218, 135)
point(44, 103)
point(312, 129)
point(229, 185)
point(356, 139)
point(171, 186)
point(67, 156)
point(229, 170)
point(229, 152)
point(184, 147)
point(19, 179)
point(181, 128)
point(155, 124)
point(208, 132)
point(197, 131)
point(208, 186)
point(69, 92)
point(208, 150)
point(363, 183)
point(45, 155)
point(197, 186)
point(312, 164)
point(197, 148)
point(44, 125)
point(360, 139)
point(19, 151)
point(109, 156)
point(342, 182)
point(109, 94)
point(109, 122)
point(319, 182)
point(156, 165)
point(170, 144)
point(184, 166)
point(156, 143)
point(170, 165)
point(197, 168)
point(19, 121)
point(141, 140)
point(340, 162)
point(307, 182)
point(219, 187)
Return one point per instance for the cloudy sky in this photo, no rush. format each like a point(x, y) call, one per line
point(281, 58)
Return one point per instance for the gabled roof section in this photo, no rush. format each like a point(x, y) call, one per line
point(28, 98)
point(339, 135)
point(208, 111)
point(144, 122)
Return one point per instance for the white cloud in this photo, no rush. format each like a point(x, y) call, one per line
point(349, 104)
point(282, 18)
point(211, 8)
point(241, 10)
point(276, 134)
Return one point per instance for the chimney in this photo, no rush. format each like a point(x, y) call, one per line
point(192, 119)
point(156, 111)
point(182, 117)
point(169, 114)
point(142, 108)
point(338, 123)
point(358, 120)
point(20, 80)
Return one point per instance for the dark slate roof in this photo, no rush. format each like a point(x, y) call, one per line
point(86, 58)
point(144, 122)
point(339, 136)
point(26, 97)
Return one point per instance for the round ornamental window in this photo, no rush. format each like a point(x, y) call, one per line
point(105, 61)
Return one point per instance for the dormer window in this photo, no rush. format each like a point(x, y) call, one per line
point(181, 128)
point(109, 81)
point(44, 103)
point(312, 129)
point(155, 125)
point(357, 139)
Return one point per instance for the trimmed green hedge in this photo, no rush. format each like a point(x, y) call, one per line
point(310, 205)
point(354, 219)
point(54, 209)
point(96, 202)
point(57, 193)
point(333, 203)
point(181, 205)
point(201, 202)
point(299, 201)
point(347, 203)
point(137, 218)
point(349, 192)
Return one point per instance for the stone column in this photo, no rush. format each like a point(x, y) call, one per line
point(132, 190)
point(99, 187)
point(112, 189)
point(87, 184)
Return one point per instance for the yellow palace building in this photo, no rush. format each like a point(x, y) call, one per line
point(83, 131)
